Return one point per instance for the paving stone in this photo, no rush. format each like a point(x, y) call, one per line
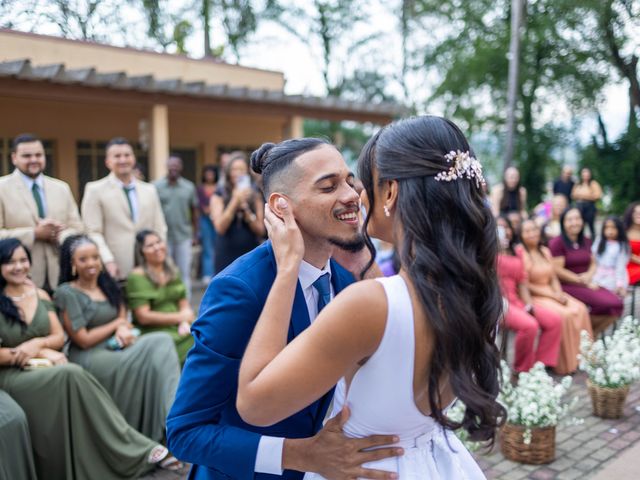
point(544, 473)
point(515, 474)
point(504, 466)
point(570, 474)
point(603, 454)
point(587, 464)
point(581, 449)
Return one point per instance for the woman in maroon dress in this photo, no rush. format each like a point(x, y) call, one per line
point(521, 315)
point(575, 266)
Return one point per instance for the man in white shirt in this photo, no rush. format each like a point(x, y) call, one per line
point(38, 210)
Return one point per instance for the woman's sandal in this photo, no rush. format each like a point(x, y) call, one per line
point(161, 457)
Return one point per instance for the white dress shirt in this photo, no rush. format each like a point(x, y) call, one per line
point(269, 455)
point(132, 194)
point(39, 180)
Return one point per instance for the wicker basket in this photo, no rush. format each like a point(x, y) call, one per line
point(542, 448)
point(608, 402)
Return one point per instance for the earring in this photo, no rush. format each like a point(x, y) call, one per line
point(386, 211)
point(73, 270)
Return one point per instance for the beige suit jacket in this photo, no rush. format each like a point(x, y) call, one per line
point(106, 214)
point(19, 217)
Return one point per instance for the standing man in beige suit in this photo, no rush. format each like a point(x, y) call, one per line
point(117, 206)
point(39, 211)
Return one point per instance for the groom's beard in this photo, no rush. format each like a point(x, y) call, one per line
point(353, 245)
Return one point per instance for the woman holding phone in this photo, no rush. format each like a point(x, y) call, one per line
point(237, 214)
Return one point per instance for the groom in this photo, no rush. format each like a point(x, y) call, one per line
point(203, 427)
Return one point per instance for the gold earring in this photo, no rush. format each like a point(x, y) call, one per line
point(73, 270)
point(386, 211)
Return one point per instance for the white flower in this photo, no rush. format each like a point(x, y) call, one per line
point(614, 361)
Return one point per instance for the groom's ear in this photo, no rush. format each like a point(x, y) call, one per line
point(273, 203)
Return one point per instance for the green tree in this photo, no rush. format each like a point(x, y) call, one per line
point(556, 67)
point(617, 164)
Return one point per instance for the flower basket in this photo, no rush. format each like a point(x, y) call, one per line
point(541, 449)
point(608, 402)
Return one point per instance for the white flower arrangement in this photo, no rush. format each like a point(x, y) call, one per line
point(536, 401)
point(613, 361)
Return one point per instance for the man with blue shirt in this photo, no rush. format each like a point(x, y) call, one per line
point(38, 210)
point(203, 427)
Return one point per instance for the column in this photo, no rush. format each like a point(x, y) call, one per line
point(158, 142)
point(294, 128)
point(66, 167)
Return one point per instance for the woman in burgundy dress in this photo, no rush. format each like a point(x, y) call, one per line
point(521, 315)
point(575, 266)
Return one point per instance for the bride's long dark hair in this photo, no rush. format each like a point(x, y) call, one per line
point(449, 250)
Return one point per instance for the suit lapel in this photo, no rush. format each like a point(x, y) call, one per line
point(299, 313)
point(25, 195)
point(340, 278)
point(117, 194)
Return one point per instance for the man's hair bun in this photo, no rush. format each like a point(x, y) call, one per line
point(259, 157)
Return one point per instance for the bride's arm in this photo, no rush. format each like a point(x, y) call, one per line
point(275, 381)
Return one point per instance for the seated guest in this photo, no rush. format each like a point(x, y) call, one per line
point(551, 229)
point(15, 444)
point(521, 315)
point(575, 266)
point(611, 251)
point(156, 294)
point(632, 227)
point(77, 432)
point(546, 292)
point(102, 341)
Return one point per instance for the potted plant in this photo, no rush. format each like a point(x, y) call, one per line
point(535, 405)
point(612, 364)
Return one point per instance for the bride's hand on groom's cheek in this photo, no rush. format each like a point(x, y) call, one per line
point(285, 236)
point(333, 455)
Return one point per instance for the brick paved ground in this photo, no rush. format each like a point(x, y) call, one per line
point(581, 450)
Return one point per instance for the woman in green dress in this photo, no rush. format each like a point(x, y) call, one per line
point(15, 443)
point(156, 294)
point(76, 430)
point(140, 374)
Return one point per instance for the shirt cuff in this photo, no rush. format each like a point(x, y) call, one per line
point(269, 456)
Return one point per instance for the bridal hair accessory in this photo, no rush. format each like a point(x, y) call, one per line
point(462, 165)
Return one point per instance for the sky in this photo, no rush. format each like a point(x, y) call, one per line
point(273, 48)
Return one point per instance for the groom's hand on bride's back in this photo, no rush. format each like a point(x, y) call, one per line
point(335, 456)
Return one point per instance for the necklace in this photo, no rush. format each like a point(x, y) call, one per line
point(21, 297)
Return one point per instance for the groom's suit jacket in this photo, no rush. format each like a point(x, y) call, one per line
point(203, 427)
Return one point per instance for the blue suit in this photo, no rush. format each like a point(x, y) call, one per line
point(203, 427)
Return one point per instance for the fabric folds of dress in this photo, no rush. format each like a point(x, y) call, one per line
point(76, 430)
point(142, 379)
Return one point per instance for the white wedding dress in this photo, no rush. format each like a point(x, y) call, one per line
point(381, 401)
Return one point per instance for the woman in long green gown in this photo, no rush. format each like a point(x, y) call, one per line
point(76, 430)
point(15, 443)
point(156, 294)
point(141, 374)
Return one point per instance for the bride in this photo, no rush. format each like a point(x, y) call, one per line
point(406, 346)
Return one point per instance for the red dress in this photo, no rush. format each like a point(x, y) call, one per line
point(634, 268)
point(511, 273)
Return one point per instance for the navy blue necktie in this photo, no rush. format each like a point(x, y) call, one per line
point(323, 286)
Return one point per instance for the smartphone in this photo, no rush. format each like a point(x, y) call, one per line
point(244, 182)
